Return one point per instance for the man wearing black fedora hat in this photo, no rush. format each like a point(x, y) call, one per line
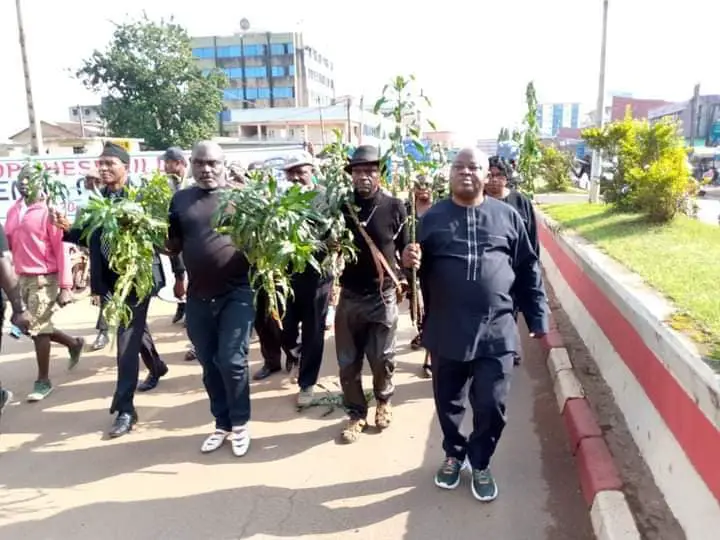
point(367, 312)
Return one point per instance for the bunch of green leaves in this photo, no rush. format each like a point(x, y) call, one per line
point(276, 229)
point(401, 102)
point(43, 183)
point(336, 195)
point(133, 227)
point(529, 158)
point(554, 168)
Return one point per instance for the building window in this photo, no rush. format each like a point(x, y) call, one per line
point(290, 48)
point(232, 51)
point(278, 71)
point(283, 92)
point(263, 93)
point(233, 94)
point(233, 73)
point(203, 52)
point(291, 70)
point(251, 93)
point(260, 71)
point(254, 50)
point(277, 49)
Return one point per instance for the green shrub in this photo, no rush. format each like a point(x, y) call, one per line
point(554, 169)
point(650, 175)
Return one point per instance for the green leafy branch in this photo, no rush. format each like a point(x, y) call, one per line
point(133, 227)
point(43, 183)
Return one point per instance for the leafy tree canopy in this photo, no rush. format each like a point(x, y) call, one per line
point(152, 87)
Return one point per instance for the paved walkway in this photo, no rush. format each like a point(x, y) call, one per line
point(60, 479)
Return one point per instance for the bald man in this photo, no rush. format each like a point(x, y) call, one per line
point(219, 312)
point(473, 250)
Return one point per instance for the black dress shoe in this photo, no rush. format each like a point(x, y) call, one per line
point(151, 381)
point(123, 424)
point(290, 362)
point(179, 313)
point(264, 373)
point(101, 341)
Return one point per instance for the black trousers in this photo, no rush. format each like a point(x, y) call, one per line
point(269, 334)
point(486, 382)
point(365, 326)
point(307, 309)
point(133, 341)
point(102, 325)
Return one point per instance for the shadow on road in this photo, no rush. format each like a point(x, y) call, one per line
point(61, 481)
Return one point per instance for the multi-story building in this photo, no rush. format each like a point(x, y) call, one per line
point(87, 114)
point(553, 116)
point(267, 69)
point(706, 128)
point(316, 125)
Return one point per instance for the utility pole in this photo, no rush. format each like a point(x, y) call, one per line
point(596, 171)
point(82, 121)
point(694, 120)
point(322, 122)
point(36, 146)
point(349, 120)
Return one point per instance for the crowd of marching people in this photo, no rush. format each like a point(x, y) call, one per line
point(474, 266)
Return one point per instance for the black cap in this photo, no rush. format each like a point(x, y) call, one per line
point(174, 153)
point(115, 150)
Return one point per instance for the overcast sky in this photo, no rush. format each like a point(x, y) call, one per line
point(473, 58)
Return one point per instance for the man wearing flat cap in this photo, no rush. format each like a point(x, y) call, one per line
point(308, 306)
point(133, 340)
point(367, 312)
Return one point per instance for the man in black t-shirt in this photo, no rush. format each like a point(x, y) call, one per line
point(367, 312)
point(20, 316)
point(220, 310)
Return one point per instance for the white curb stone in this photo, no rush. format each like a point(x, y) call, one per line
point(567, 386)
point(611, 517)
point(557, 361)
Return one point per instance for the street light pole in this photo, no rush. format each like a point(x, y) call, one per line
point(596, 170)
point(36, 146)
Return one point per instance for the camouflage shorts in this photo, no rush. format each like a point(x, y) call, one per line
point(40, 295)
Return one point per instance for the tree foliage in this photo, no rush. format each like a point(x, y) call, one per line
point(529, 159)
point(151, 87)
point(650, 172)
point(554, 168)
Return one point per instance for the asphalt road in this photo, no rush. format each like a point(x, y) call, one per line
point(60, 479)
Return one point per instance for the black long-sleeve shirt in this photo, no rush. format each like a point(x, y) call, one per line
point(214, 265)
point(471, 260)
point(524, 206)
point(384, 219)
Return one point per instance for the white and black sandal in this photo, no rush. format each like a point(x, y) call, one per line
point(240, 440)
point(214, 441)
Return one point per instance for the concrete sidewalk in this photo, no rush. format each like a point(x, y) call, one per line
point(60, 479)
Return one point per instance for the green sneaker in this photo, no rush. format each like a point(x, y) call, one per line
point(483, 485)
point(75, 353)
point(41, 390)
point(448, 475)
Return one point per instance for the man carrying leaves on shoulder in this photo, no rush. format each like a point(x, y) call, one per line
point(367, 312)
point(134, 339)
point(308, 306)
point(43, 266)
point(220, 309)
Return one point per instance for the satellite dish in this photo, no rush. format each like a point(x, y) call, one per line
point(244, 24)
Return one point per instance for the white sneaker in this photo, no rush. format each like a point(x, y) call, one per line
point(214, 441)
point(305, 397)
point(240, 440)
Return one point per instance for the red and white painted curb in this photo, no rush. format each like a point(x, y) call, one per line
point(599, 477)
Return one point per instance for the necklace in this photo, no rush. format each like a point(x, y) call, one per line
point(365, 222)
